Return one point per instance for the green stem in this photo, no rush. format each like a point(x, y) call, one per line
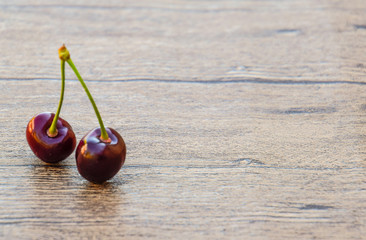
point(52, 131)
point(104, 134)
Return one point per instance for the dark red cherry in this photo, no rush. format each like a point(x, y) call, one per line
point(99, 160)
point(50, 149)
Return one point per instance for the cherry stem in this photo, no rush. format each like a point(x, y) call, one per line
point(104, 135)
point(52, 131)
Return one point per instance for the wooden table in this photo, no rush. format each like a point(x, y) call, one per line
point(242, 119)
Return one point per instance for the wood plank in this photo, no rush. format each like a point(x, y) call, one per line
point(225, 40)
point(204, 161)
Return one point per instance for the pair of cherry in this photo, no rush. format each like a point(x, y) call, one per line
point(100, 153)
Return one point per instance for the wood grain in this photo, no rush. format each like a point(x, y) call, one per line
point(242, 119)
point(182, 40)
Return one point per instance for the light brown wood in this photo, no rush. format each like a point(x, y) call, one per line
point(242, 119)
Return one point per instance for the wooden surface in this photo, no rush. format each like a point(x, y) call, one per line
point(242, 119)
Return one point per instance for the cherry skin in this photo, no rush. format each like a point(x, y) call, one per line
point(98, 160)
point(50, 149)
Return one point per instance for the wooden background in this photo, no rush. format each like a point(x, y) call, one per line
point(242, 119)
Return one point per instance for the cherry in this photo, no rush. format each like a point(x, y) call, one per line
point(51, 138)
point(50, 149)
point(100, 153)
point(98, 160)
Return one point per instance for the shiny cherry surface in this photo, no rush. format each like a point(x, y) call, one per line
point(50, 149)
point(96, 160)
